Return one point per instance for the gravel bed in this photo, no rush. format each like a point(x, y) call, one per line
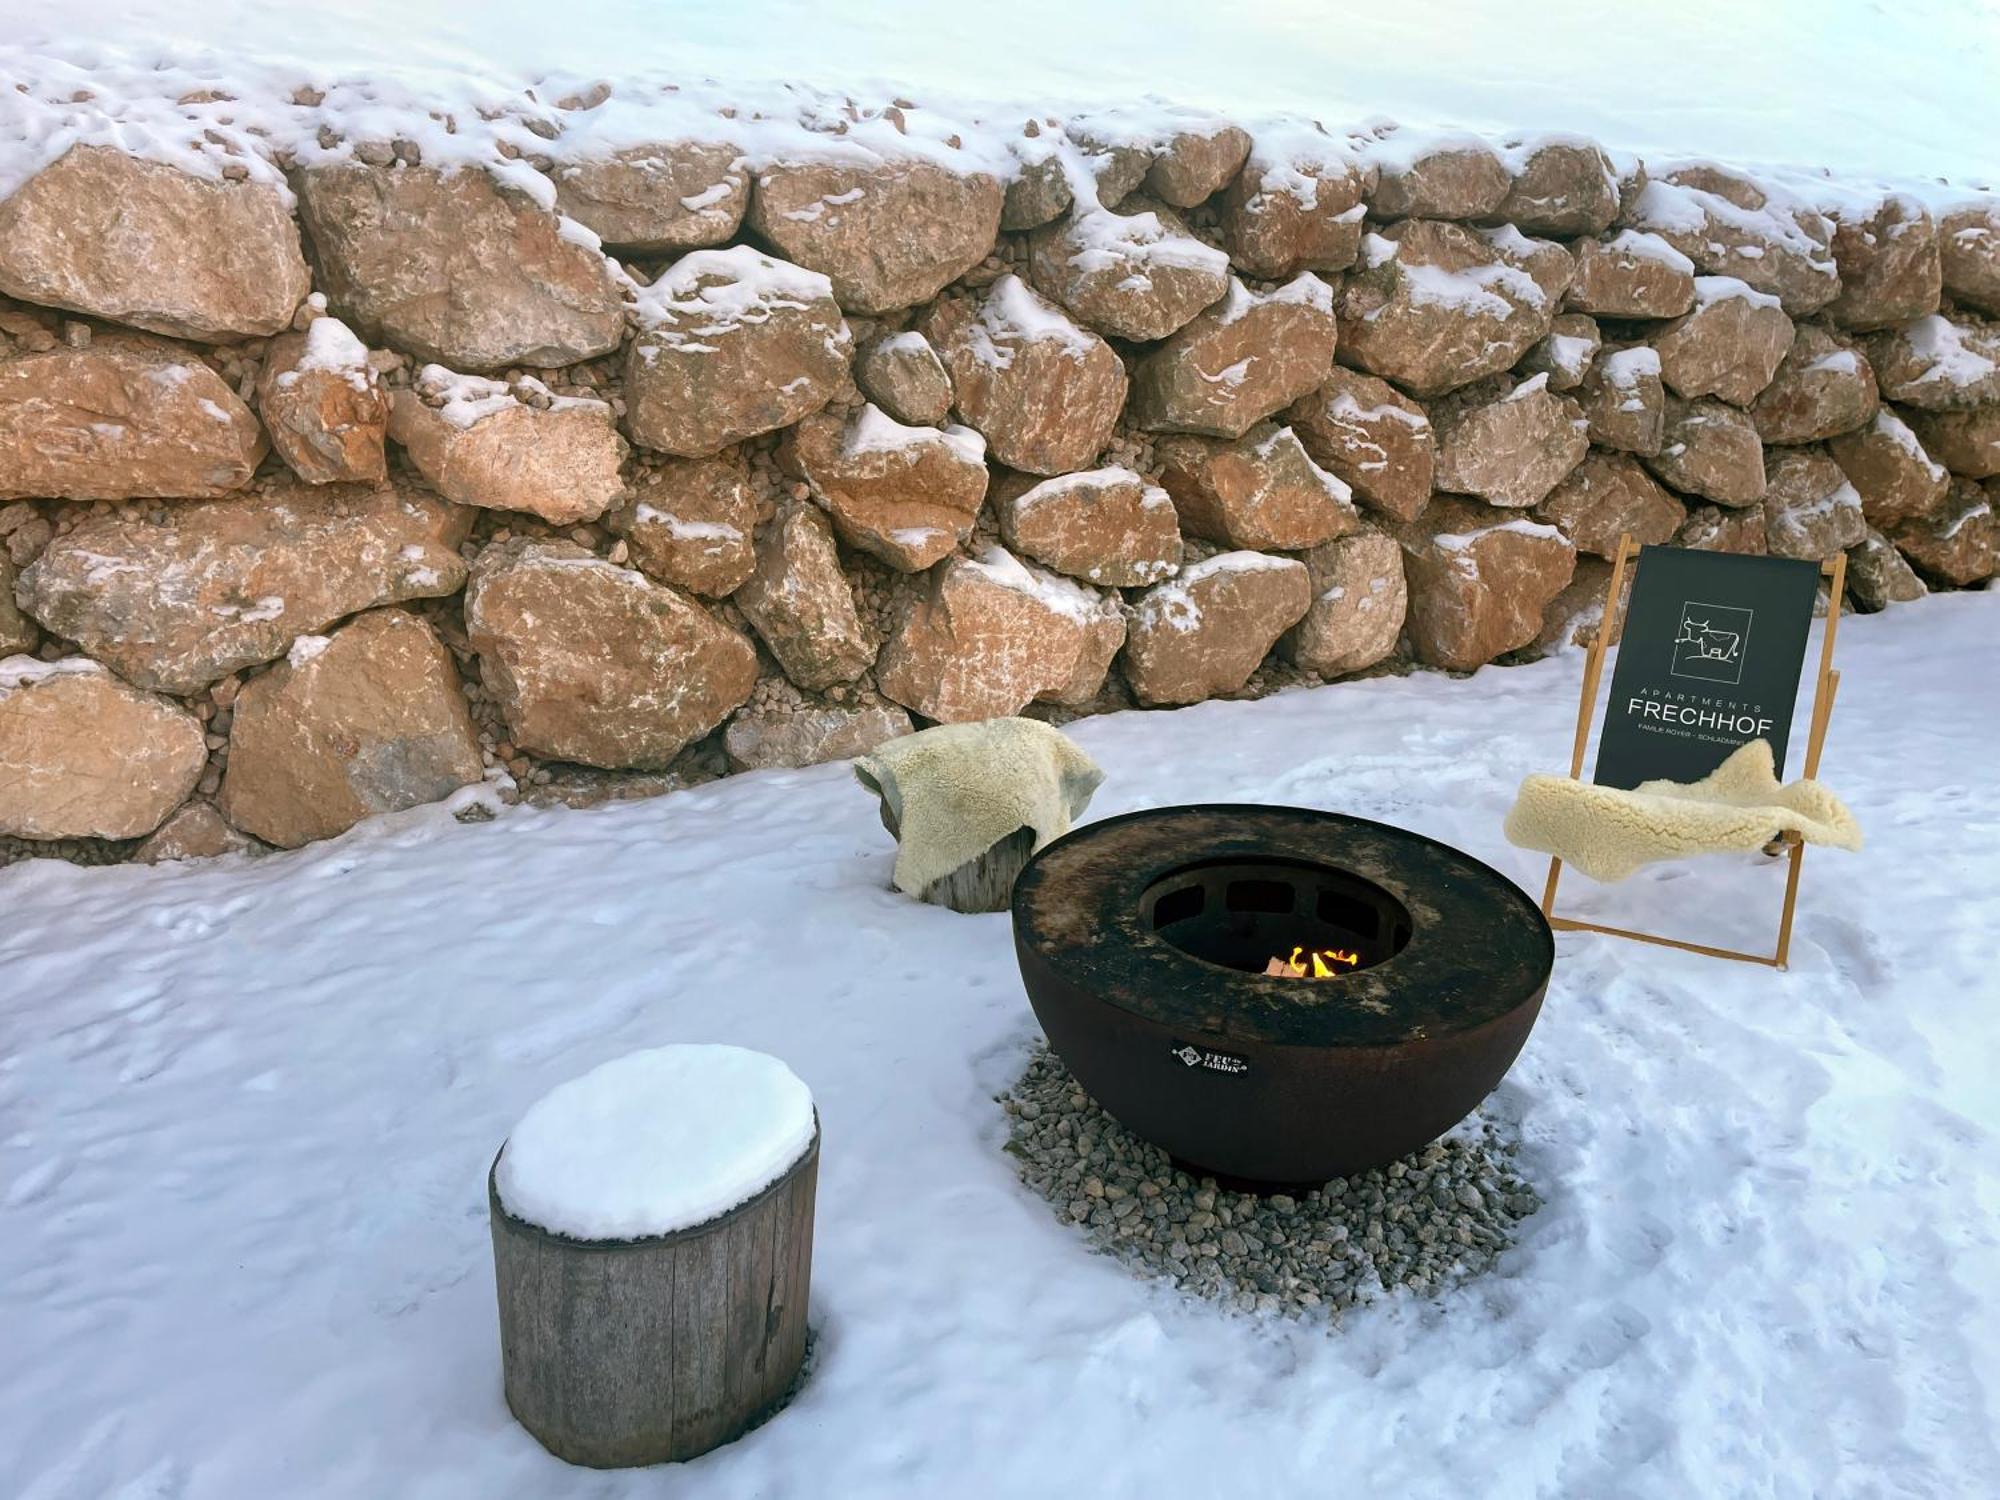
point(1423, 1223)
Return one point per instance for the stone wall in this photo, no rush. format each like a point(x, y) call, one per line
point(329, 499)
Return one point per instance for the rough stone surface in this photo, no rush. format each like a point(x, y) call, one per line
point(1574, 616)
point(904, 494)
point(196, 831)
point(1810, 510)
point(1969, 257)
point(1965, 442)
point(456, 268)
point(1106, 526)
point(1958, 543)
point(1358, 603)
point(1192, 165)
point(1937, 364)
point(1459, 177)
point(596, 663)
point(731, 343)
point(83, 755)
point(1879, 576)
point(1239, 361)
point(1565, 352)
point(367, 720)
point(1562, 186)
point(1624, 401)
point(1729, 346)
point(671, 195)
point(1885, 461)
point(124, 416)
point(692, 522)
point(1435, 306)
point(1041, 193)
point(1372, 437)
point(327, 415)
point(810, 735)
point(139, 242)
point(1889, 266)
point(1043, 392)
point(903, 375)
point(1513, 450)
point(1730, 226)
point(1294, 212)
point(1607, 496)
point(176, 604)
point(887, 234)
point(988, 637)
point(1135, 275)
point(1714, 528)
point(561, 462)
point(1479, 580)
point(1261, 492)
point(1710, 449)
point(1822, 389)
point(1631, 275)
point(800, 603)
point(1205, 632)
point(18, 633)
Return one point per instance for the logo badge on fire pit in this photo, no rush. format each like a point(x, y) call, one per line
point(1215, 1062)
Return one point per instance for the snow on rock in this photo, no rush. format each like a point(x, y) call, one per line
point(1607, 496)
point(1135, 275)
point(1969, 254)
point(1479, 581)
point(902, 374)
point(1426, 174)
point(1729, 225)
point(1965, 442)
point(1729, 345)
point(1372, 437)
point(1937, 364)
point(1261, 492)
point(1359, 600)
point(1563, 185)
point(1107, 526)
point(1631, 275)
point(1810, 510)
point(1564, 355)
point(654, 1142)
point(1624, 400)
point(1887, 464)
point(1890, 271)
point(1822, 389)
point(689, 522)
point(1509, 451)
point(659, 196)
point(1958, 542)
point(1709, 448)
point(1297, 205)
point(1204, 632)
point(904, 494)
point(1239, 361)
point(324, 405)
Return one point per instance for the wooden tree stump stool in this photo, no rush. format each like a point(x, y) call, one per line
point(652, 1250)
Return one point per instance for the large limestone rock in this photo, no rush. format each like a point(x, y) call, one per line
point(1889, 266)
point(1729, 346)
point(140, 242)
point(1193, 164)
point(478, 443)
point(1810, 510)
point(596, 663)
point(1511, 451)
point(670, 195)
point(692, 523)
point(1969, 256)
point(1563, 185)
point(1937, 364)
point(1437, 177)
point(887, 234)
point(1632, 274)
point(902, 374)
point(1730, 226)
point(1435, 306)
point(1261, 492)
point(1624, 400)
point(1359, 600)
point(1043, 392)
point(904, 494)
point(1879, 576)
point(457, 267)
point(1607, 496)
point(1965, 442)
point(1958, 543)
point(18, 633)
point(1371, 437)
point(1106, 526)
point(1479, 581)
point(175, 605)
point(1206, 631)
point(800, 603)
point(125, 416)
point(1822, 389)
point(1296, 206)
point(1710, 449)
point(1714, 528)
point(987, 638)
point(1565, 352)
point(1237, 362)
point(1576, 615)
point(367, 720)
point(324, 406)
point(810, 734)
point(1136, 275)
point(1886, 463)
point(731, 343)
point(1039, 192)
point(195, 831)
point(82, 755)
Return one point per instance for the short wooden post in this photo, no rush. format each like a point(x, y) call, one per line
point(985, 882)
point(624, 1352)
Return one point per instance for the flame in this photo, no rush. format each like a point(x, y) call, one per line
point(1321, 963)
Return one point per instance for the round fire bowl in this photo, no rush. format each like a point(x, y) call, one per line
point(1142, 941)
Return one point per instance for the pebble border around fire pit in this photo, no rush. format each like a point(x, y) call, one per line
point(1431, 1220)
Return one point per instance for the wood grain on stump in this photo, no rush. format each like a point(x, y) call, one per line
point(986, 881)
point(626, 1352)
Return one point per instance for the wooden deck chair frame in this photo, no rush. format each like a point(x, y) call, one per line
point(1822, 710)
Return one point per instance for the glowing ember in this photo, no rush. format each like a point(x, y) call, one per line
point(1321, 963)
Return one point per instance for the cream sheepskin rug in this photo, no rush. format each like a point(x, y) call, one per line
point(1607, 832)
point(950, 793)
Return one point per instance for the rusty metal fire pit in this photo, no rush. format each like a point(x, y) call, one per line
point(1143, 942)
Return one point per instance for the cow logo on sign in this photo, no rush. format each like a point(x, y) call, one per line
point(1711, 642)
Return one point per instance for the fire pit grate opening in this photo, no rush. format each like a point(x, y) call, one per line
point(1241, 914)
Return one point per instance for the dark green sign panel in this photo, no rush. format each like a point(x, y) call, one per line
point(1709, 660)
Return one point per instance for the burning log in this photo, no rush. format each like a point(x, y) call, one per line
point(1321, 963)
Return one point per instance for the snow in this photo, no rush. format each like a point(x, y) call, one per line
point(1105, 240)
point(1013, 313)
point(1950, 360)
point(1626, 368)
point(875, 431)
point(249, 1108)
point(1712, 289)
point(1646, 246)
point(655, 1141)
point(1058, 593)
point(1897, 431)
point(710, 292)
point(331, 345)
point(307, 648)
point(26, 671)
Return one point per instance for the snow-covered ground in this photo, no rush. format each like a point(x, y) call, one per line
point(246, 1111)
